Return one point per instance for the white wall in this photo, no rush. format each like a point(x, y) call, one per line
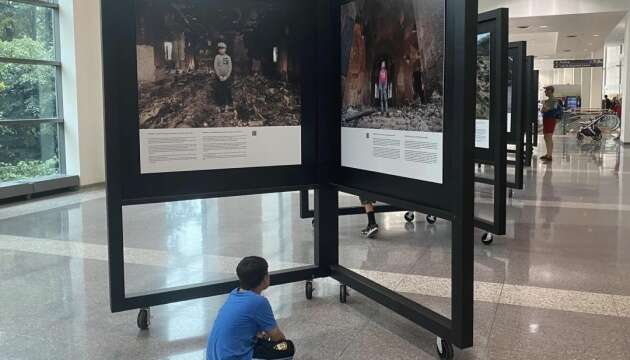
point(80, 23)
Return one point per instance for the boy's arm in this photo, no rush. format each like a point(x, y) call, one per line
point(267, 322)
point(276, 335)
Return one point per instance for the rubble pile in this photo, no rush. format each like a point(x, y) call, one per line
point(413, 117)
point(188, 101)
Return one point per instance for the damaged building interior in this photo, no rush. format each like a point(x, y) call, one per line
point(412, 49)
point(483, 76)
point(177, 42)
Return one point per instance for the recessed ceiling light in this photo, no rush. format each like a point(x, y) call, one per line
point(523, 27)
point(596, 35)
point(571, 36)
point(567, 50)
point(543, 26)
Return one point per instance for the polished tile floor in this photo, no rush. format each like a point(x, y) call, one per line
point(555, 287)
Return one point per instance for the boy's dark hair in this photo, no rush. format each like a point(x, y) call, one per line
point(251, 272)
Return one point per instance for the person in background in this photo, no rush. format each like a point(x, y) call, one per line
point(549, 112)
point(607, 103)
point(245, 327)
point(371, 229)
point(383, 87)
point(616, 108)
point(223, 69)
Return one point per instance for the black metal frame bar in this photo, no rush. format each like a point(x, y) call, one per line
point(518, 53)
point(307, 213)
point(535, 86)
point(530, 113)
point(496, 24)
point(320, 169)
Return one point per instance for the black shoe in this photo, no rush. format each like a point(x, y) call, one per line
point(370, 231)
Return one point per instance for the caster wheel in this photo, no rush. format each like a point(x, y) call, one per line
point(313, 223)
point(487, 239)
point(343, 294)
point(431, 219)
point(580, 137)
point(410, 216)
point(511, 194)
point(445, 349)
point(144, 319)
point(309, 290)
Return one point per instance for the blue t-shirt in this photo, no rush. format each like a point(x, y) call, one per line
point(233, 335)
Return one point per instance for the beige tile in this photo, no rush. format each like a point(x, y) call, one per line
point(623, 305)
point(555, 299)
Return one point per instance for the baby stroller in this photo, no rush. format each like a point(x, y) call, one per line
point(590, 129)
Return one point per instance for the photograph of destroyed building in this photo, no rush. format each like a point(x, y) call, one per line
point(218, 63)
point(392, 64)
point(483, 76)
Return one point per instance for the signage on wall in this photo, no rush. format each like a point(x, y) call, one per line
point(586, 63)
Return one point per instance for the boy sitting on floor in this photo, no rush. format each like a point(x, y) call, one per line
point(245, 327)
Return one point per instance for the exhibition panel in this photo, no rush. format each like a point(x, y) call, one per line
point(415, 154)
point(531, 109)
point(183, 123)
point(184, 131)
point(516, 112)
point(491, 105)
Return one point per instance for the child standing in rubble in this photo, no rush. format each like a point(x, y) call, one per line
point(223, 69)
point(383, 88)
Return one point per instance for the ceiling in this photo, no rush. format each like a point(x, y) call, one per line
point(564, 36)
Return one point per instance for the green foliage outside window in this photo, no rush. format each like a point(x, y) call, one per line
point(27, 92)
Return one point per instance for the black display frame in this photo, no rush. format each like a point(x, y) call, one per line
point(518, 52)
point(496, 23)
point(320, 169)
point(535, 108)
point(531, 109)
point(452, 200)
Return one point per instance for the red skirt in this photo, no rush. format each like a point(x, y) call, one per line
point(549, 125)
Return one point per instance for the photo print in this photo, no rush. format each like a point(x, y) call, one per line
point(392, 72)
point(483, 76)
point(392, 84)
point(218, 63)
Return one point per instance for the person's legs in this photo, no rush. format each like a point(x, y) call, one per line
point(228, 93)
point(549, 144)
point(549, 127)
point(372, 227)
point(381, 95)
point(268, 350)
point(220, 94)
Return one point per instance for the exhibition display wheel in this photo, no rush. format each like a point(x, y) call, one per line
point(487, 238)
point(309, 289)
point(410, 216)
point(343, 293)
point(431, 219)
point(445, 349)
point(144, 318)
